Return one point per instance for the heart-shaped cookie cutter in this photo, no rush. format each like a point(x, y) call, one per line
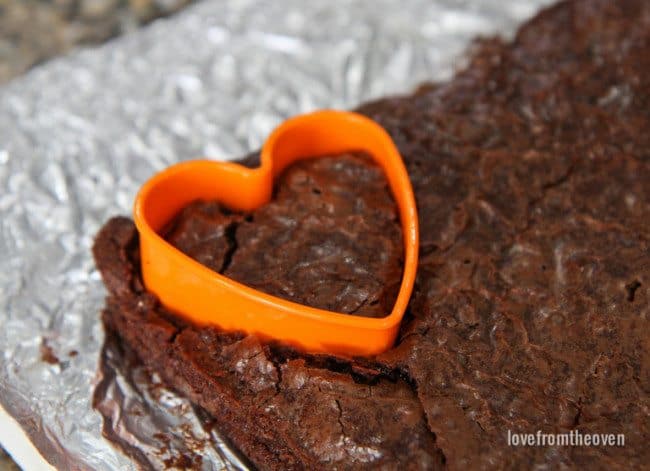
point(206, 297)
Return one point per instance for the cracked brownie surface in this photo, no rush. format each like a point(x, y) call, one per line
point(330, 238)
point(531, 170)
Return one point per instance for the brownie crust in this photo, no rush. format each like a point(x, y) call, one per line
point(531, 170)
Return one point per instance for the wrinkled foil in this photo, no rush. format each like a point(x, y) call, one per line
point(78, 136)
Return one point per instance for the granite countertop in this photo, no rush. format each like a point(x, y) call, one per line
point(32, 31)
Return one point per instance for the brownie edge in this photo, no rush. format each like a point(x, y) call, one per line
point(281, 409)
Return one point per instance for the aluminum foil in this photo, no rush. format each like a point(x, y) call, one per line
point(78, 135)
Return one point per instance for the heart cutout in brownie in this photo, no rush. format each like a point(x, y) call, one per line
point(205, 296)
point(330, 238)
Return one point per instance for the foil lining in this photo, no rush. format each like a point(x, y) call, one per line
point(78, 135)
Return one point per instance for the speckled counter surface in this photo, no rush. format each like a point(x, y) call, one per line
point(32, 31)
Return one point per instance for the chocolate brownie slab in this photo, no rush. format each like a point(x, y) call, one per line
point(532, 175)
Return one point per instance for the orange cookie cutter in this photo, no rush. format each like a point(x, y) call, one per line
point(206, 297)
